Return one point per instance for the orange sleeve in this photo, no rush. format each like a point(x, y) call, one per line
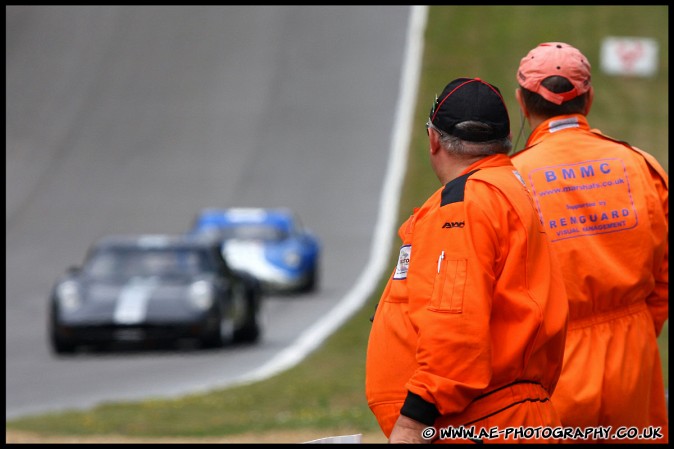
point(658, 300)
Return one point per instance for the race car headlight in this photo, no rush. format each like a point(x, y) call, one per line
point(68, 295)
point(292, 259)
point(201, 295)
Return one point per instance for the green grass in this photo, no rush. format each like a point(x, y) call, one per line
point(326, 391)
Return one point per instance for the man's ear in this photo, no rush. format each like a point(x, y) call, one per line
point(520, 101)
point(433, 141)
point(588, 103)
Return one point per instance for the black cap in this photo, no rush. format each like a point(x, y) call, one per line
point(471, 99)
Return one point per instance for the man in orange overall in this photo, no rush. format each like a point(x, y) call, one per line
point(470, 329)
point(604, 206)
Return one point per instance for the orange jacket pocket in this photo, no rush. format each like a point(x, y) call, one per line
point(449, 286)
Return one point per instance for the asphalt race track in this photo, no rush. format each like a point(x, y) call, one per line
point(129, 119)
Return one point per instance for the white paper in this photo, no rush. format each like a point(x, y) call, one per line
point(340, 439)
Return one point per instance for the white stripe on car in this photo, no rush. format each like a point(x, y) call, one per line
point(132, 304)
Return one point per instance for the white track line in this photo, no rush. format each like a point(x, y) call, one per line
point(386, 221)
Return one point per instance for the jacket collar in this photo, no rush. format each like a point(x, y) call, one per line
point(495, 160)
point(557, 124)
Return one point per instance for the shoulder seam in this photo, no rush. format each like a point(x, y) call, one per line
point(454, 190)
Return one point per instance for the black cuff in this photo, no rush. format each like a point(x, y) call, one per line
point(419, 410)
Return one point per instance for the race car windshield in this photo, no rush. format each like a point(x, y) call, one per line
point(250, 232)
point(128, 263)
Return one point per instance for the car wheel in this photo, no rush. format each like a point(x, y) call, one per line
point(60, 346)
point(312, 280)
point(250, 330)
point(223, 335)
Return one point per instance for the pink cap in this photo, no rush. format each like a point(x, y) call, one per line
point(550, 59)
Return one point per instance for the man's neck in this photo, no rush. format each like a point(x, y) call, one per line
point(535, 120)
point(458, 166)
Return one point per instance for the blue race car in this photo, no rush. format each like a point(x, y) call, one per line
point(271, 244)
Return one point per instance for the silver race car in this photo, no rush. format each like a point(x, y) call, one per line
point(153, 288)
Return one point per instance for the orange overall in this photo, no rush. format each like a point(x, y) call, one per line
point(604, 207)
point(470, 328)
